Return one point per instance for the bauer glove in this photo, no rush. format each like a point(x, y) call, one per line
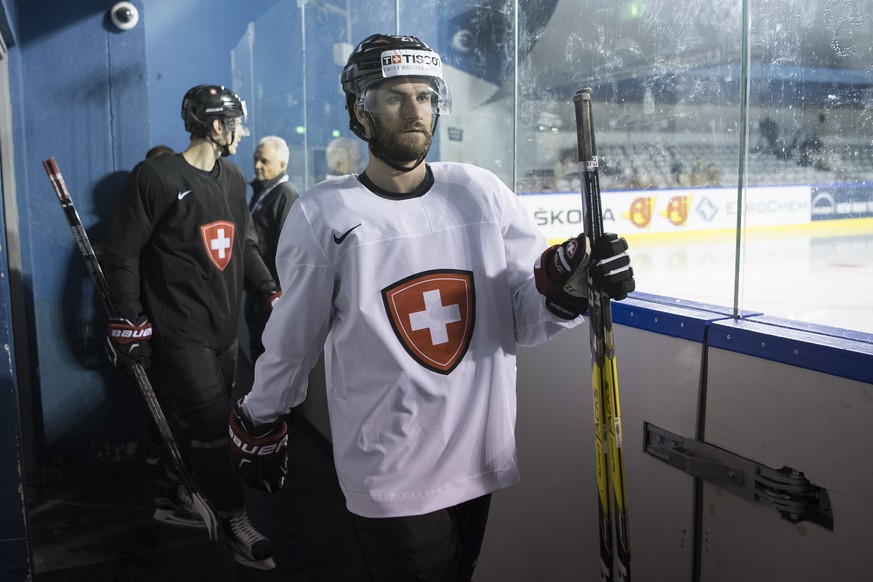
point(127, 343)
point(562, 273)
point(259, 454)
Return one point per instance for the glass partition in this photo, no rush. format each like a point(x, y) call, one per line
point(810, 156)
point(734, 139)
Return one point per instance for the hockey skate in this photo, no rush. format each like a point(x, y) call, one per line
point(249, 547)
point(174, 506)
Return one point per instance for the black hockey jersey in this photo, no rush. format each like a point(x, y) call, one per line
point(178, 245)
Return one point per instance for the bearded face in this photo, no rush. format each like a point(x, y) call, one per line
point(405, 143)
point(400, 119)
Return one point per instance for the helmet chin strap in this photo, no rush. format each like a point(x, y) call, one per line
point(225, 147)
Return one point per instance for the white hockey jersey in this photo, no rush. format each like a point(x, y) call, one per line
point(418, 304)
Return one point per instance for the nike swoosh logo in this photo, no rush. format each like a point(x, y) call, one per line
point(183, 194)
point(339, 239)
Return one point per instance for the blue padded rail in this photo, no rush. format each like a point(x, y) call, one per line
point(667, 316)
point(830, 350)
point(843, 353)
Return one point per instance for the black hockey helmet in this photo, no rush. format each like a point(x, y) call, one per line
point(384, 56)
point(204, 103)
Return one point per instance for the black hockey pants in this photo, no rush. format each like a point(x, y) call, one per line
point(194, 386)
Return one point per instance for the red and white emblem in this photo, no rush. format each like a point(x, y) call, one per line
point(432, 314)
point(218, 240)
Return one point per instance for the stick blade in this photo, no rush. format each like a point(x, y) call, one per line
point(206, 513)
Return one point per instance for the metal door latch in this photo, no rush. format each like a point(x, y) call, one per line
point(786, 490)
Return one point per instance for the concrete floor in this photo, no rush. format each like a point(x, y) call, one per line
point(95, 523)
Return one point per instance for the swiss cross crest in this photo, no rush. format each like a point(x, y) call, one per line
point(432, 314)
point(218, 240)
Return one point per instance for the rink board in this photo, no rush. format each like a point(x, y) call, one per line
point(656, 215)
point(782, 394)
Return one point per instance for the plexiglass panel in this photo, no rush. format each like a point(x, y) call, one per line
point(666, 113)
point(810, 154)
point(733, 137)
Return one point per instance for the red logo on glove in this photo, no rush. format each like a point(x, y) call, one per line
point(218, 240)
point(432, 315)
point(571, 248)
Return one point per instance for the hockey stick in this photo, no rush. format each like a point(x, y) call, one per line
point(604, 375)
point(96, 272)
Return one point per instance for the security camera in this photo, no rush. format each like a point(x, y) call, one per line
point(124, 15)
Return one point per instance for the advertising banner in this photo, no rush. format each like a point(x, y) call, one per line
point(834, 202)
point(644, 212)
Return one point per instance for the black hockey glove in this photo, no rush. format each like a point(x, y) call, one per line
point(259, 453)
point(127, 343)
point(560, 274)
point(610, 267)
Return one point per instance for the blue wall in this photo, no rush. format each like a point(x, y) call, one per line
point(80, 92)
point(83, 102)
point(14, 546)
point(88, 100)
point(13, 539)
point(189, 43)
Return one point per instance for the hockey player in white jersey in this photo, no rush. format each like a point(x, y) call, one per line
point(417, 280)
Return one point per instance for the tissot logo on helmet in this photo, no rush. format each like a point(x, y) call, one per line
point(397, 59)
point(432, 314)
point(397, 63)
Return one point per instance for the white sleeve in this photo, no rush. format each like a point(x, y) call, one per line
point(295, 333)
point(523, 243)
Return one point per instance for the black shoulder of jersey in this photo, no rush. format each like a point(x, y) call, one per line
point(230, 167)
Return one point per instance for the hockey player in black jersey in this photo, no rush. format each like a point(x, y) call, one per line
point(179, 245)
